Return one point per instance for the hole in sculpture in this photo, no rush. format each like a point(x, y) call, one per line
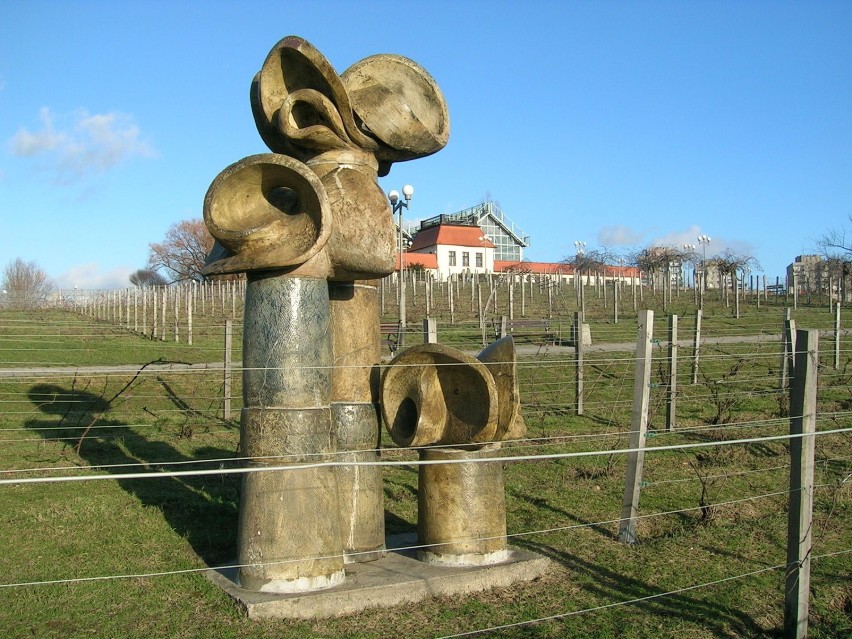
point(284, 199)
point(406, 418)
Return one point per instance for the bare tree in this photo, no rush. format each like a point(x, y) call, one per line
point(183, 253)
point(25, 284)
point(836, 247)
point(732, 267)
point(145, 277)
point(835, 243)
point(656, 262)
point(589, 261)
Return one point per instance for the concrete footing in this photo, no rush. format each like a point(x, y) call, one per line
point(397, 578)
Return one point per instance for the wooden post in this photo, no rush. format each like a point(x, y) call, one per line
point(511, 284)
point(795, 290)
point(177, 313)
point(736, 286)
point(145, 311)
point(671, 399)
point(226, 385)
point(836, 336)
point(452, 306)
point(155, 297)
point(430, 331)
point(614, 302)
point(638, 429)
point(578, 358)
point(803, 393)
point(495, 290)
point(549, 299)
point(502, 330)
point(165, 303)
point(786, 351)
point(830, 297)
point(189, 314)
point(696, 345)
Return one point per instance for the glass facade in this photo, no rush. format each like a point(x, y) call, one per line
point(508, 239)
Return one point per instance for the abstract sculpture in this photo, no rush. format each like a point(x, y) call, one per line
point(456, 409)
point(312, 230)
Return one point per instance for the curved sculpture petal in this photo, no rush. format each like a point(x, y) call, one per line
point(400, 104)
point(437, 395)
point(266, 211)
point(294, 64)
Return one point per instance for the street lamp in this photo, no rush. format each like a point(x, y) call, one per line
point(396, 206)
point(703, 240)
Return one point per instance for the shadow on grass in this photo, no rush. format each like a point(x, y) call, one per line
point(202, 509)
point(720, 618)
point(538, 502)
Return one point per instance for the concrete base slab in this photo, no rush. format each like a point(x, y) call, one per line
point(395, 579)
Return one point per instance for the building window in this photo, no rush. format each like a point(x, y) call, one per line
point(479, 260)
point(465, 258)
point(452, 258)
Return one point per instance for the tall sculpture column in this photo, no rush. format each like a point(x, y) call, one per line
point(354, 409)
point(289, 536)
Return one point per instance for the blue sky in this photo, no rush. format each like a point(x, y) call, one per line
point(621, 124)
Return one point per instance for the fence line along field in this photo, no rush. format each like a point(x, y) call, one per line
point(86, 392)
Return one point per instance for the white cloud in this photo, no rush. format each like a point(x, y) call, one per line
point(89, 276)
point(678, 238)
point(85, 145)
point(26, 144)
point(619, 235)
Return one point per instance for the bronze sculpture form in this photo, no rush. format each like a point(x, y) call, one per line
point(457, 409)
point(312, 230)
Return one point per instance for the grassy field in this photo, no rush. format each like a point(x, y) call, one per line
point(709, 515)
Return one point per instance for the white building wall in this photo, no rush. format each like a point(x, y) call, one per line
point(445, 254)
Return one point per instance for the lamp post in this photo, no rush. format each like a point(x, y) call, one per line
point(397, 205)
point(703, 240)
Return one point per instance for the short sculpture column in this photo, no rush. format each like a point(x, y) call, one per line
point(461, 512)
point(289, 532)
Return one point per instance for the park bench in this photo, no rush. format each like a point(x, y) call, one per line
point(391, 334)
point(533, 329)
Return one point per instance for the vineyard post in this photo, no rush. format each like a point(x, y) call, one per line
point(638, 429)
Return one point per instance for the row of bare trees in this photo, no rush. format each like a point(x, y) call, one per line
point(659, 262)
point(181, 256)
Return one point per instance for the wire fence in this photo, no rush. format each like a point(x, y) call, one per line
point(721, 468)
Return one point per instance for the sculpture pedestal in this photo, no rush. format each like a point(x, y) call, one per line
point(396, 579)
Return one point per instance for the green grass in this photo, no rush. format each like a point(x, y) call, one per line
point(563, 508)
